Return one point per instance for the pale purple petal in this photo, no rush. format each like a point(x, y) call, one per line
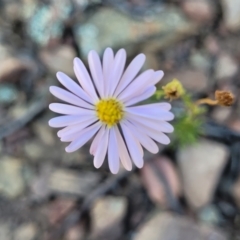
point(158, 125)
point(137, 86)
point(132, 147)
point(146, 141)
point(150, 113)
point(84, 79)
point(72, 86)
point(77, 128)
point(70, 110)
point(101, 150)
point(123, 152)
point(69, 97)
point(108, 59)
point(146, 94)
point(153, 133)
point(64, 121)
point(97, 140)
point(116, 71)
point(130, 73)
point(113, 152)
point(96, 71)
point(158, 75)
point(86, 134)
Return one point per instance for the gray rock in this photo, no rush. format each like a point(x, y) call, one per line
point(11, 180)
point(200, 166)
point(169, 227)
point(59, 59)
point(222, 114)
point(27, 231)
point(125, 31)
point(71, 182)
point(8, 94)
point(226, 67)
point(231, 11)
point(107, 215)
point(5, 231)
point(210, 215)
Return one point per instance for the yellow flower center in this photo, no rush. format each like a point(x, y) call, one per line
point(109, 111)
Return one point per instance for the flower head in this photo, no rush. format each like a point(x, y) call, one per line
point(103, 107)
point(224, 98)
point(173, 90)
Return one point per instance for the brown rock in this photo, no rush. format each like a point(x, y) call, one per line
point(152, 181)
point(236, 191)
point(200, 167)
point(201, 11)
point(58, 209)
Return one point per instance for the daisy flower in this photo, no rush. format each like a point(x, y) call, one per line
point(103, 107)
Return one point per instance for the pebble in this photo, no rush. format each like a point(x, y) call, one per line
point(231, 12)
point(201, 171)
point(163, 225)
point(8, 94)
point(27, 231)
point(222, 114)
point(151, 178)
point(201, 11)
point(59, 58)
point(63, 181)
point(107, 215)
point(226, 67)
point(11, 179)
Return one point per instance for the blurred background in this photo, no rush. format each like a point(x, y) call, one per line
point(189, 192)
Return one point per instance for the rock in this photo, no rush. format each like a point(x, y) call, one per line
point(71, 182)
point(210, 215)
point(11, 181)
point(124, 31)
point(59, 58)
point(44, 133)
point(226, 67)
point(38, 17)
point(151, 177)
point(201, 11)
point(222, 114)
point(231, 12)
point(236, 191)
point(5, 231)
point(40, 185)
point(27, 231)
point(11, 68)
point(107, 215)
point(58, 209)
point(170, 227)
point(34, 149)
point(200, 167)
point(75, 233)
point(8, 94)
point(235, 125)
point(193, 80)
point(200, 61)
